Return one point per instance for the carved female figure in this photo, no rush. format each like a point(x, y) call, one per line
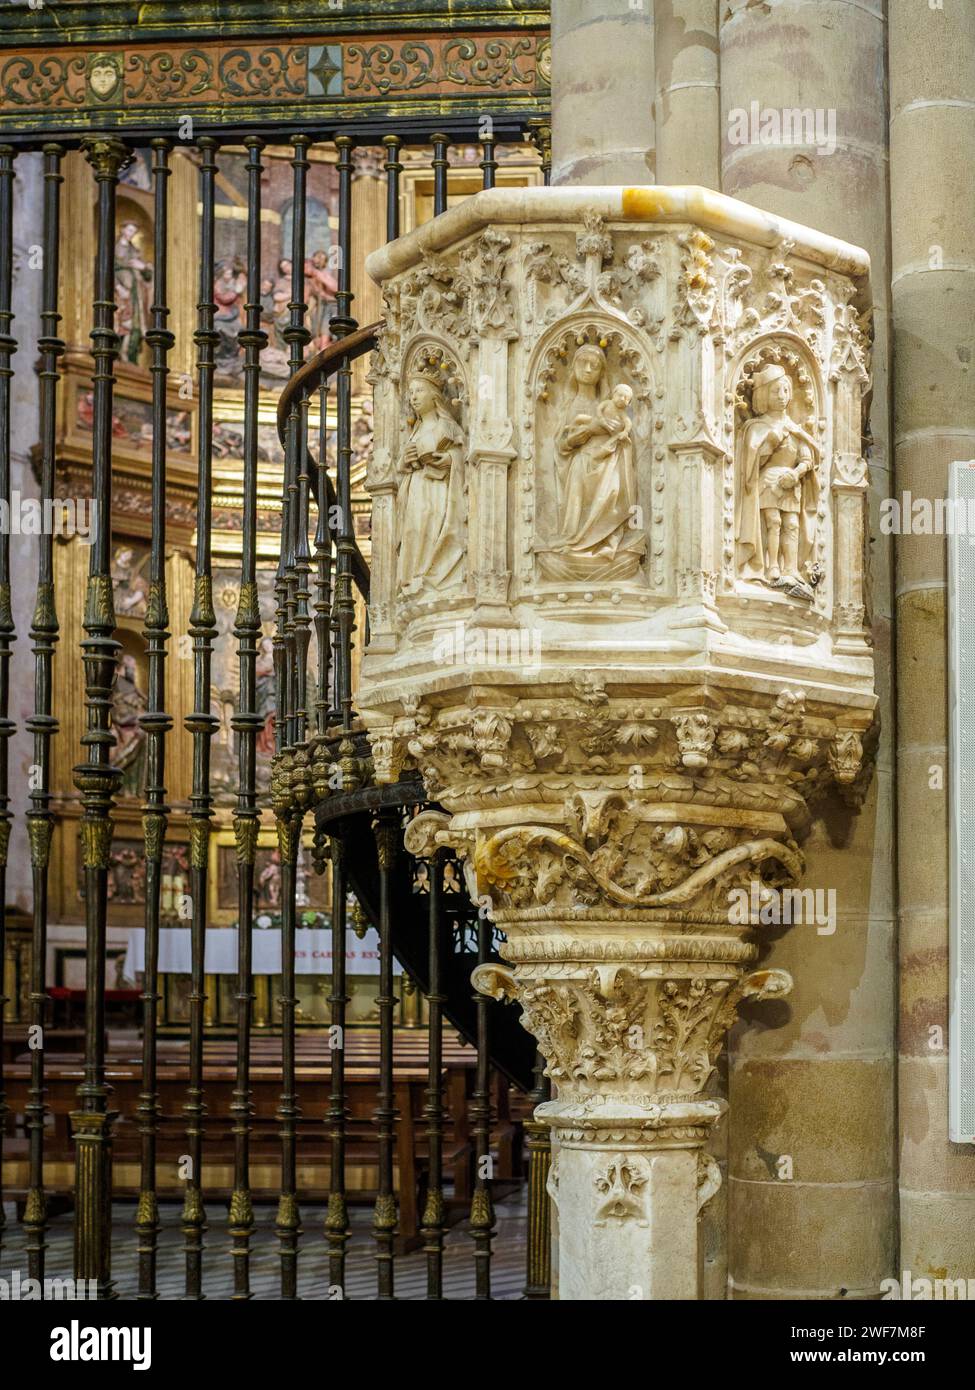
point(431, 495)
point(777, 488)
point(133, 286)
point(595, 535)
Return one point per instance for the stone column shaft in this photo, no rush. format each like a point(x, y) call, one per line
point(932, 149)
point(826, 1231)
point(687, 93)
point(602, 92)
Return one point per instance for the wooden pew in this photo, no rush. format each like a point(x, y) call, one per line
point(63, 1072)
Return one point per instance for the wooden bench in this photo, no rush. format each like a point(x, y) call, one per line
point(63, 1073)
point(15, 1040)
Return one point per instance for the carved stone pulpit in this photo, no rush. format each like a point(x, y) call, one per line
point(618, 622)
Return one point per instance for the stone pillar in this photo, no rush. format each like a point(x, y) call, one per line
point(602, 92)
point(631, 1046)
point(932, 88)
point(624, 762)
point(687, 101)
point(826, 1230)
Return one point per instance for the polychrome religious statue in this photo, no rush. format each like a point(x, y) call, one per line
point(133, 292)
point(228, 296)
point(777, 490)
point(597, 533)
point(321, 287)
point(129, 704)
point(431, 494)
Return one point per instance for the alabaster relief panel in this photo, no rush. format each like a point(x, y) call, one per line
point(431, 484)
point(620, 1185)
point(678, 414)
point(781, 488)
point(589, 430)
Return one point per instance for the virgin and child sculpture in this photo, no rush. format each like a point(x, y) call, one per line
point(777, 490)
point(596, 533)
point(431, 493)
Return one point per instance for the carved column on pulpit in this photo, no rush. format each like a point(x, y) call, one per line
point(624, 640)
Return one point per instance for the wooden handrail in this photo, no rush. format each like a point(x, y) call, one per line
point(318, 369)
point(315, 373)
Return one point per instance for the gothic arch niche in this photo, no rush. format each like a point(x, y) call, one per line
point(588, 430)
point(431, 563)
point(777, 514)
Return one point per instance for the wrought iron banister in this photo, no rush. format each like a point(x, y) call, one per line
point(320, 369)
point(184, 817)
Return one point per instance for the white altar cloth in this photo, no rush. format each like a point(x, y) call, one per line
point(313, 952)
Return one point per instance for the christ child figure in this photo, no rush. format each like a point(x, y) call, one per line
point(612, 414)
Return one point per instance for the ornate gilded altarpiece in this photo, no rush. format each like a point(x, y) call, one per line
point(129, 67)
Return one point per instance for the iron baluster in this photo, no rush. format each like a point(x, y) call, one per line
point(538, 1141)
point(288, 1222)
point(489, 164)
point(434, 1217)
point(337, 1216)
point(441, 166)
point(95, 778)
point(42, 725)
point(384, 1215)
point(393, 170)
point(202, 724)
point(540, 133)
point(482, 1207)
point(323, 569)
point(341, 327)
point(246, 722)
point(8, 347)
point(156, 723)
point(302, 619)
point(289, 823)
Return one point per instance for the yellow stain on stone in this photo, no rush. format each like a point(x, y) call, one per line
point(691, 204)
point(645, 203)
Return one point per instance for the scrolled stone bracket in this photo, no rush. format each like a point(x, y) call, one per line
point(426, 833)
point(496, 981)
point(489, 864)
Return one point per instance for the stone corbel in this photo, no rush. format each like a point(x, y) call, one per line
point(496, 981)
point(426, 833)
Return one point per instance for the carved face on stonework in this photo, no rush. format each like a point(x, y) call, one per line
point(423, 394)
point(103, 76)
point(772, 390)
point(588, 364)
